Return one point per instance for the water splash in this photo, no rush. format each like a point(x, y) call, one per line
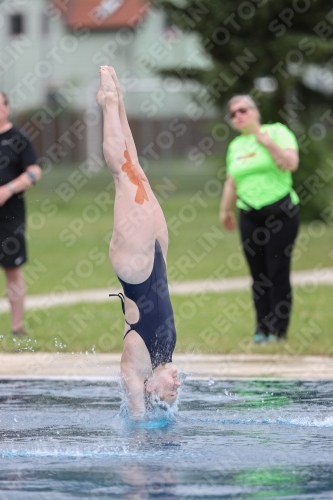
point(158, 413)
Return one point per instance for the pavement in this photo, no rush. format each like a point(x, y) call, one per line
point(226, 366)
point(67, 365)
point(313, 277)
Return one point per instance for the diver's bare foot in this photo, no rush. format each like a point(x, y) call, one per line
point(107, 90)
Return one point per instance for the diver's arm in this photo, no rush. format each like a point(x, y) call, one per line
point(134, 388)
point(135, 368)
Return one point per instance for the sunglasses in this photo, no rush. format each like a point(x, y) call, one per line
point(239, 110)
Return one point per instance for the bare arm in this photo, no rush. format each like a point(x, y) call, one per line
point(134, 388)
point(286, 159)
point(21, 183)
point(135, 368)
point(227, 205)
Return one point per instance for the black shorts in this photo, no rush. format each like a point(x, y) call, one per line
point(13, 251)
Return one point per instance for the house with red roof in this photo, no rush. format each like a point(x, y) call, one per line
point(50, 54)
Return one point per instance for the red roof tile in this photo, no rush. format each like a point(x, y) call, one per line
point(102, 14)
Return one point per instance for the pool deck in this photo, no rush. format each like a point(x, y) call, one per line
point(226, 366)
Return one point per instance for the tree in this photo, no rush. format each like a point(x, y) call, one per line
point(286, 41)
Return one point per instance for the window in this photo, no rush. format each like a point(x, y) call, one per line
point(16, 24)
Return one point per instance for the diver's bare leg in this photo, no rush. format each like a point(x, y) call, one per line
point(125, 125)
point(133, 239)
point(160, 223)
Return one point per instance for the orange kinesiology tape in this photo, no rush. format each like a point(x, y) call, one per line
point(134, 177)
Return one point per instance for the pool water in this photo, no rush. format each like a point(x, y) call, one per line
point(240, 439)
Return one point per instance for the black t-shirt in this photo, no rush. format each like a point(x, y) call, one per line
point(16, 154)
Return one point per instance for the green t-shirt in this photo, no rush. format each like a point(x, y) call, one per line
point(259, 181)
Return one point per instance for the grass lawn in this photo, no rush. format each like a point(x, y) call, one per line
point(69, 230)
point(70, 217)
point(210, 323)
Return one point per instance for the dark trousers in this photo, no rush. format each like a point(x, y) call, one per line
point(268, 236)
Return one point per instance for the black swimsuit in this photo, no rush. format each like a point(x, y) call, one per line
point(156, 323)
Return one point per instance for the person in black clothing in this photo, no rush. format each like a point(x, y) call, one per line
point(260, 162)
point(18, 171)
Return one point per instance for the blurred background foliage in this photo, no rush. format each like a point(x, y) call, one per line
point(287, 65)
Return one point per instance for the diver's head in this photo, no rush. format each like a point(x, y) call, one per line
point(164, 383)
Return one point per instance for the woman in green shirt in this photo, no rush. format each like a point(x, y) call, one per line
point(259, 181)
